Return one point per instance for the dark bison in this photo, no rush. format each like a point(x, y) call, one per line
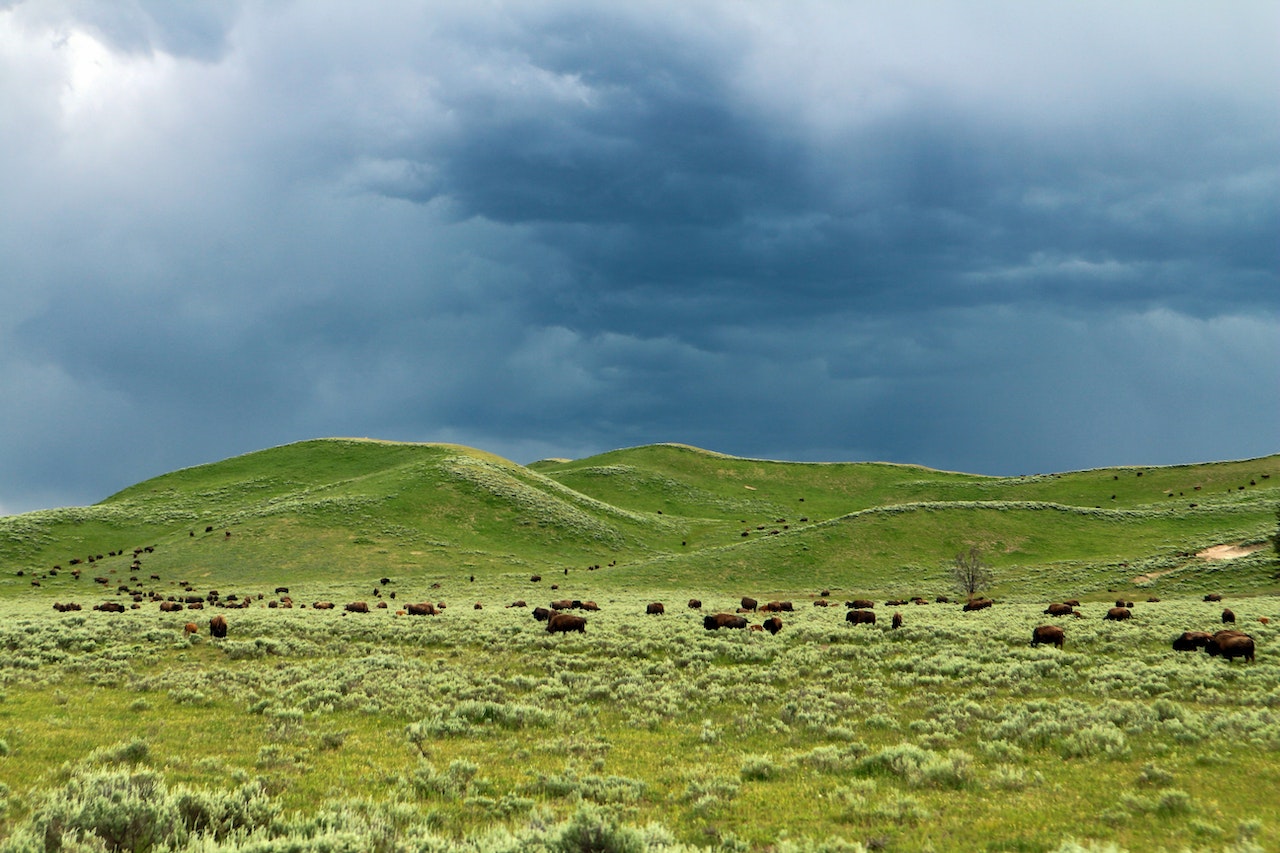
point(723, 620)
point(821, 602)
point(520, 603)
point(562, 604)
point(1048, 634)
point(563, 623)
point(1063, 609)
point(860, 603)
point(170, 607)
point(542, 614)
point(896, 621)
point(695, 604)
point(110, 607)
point(218, 627)
point(860, 617)
point(1191, 640)
point(1118, 614)
point(1230, 644)
point(1228, 615)
point(773, 624)
point(424, 608)
point(655, 608)
point(1213, 596)
point(1073, 602)
point(357, 607)
point(748, 603)
point(977, 604)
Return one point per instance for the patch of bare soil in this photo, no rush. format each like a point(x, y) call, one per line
point(1228, 552)
point(1149, 577)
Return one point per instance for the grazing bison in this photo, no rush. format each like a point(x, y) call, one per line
point(1228, 615)
point(1191, 640)
point(170, 606)
point(589, 605)
point(282, 590)
point(190, 628)
point(773, 624)
point(655, 608)
point(723, 620)
point(519, 603)
point(977, 604)
point(896, 621)
point(860, 604)
point(1230, 644)
point(425, 608)
point(821, 602)
point(1213, 596)
point(749, 603)
point(563, 623)
point(541, 614)
point(1063, 609)
point(357, 607)
point(322, 605)
point(1118, 614)
point(562, 604)
point(860, 617)
point(110, 607)
point(1072, 602)
point(695, 604)
point(1048, 634)
point(218, 627)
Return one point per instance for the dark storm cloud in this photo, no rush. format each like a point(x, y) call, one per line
point(991, 237)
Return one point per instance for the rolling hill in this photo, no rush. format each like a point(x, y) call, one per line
point(337, 511)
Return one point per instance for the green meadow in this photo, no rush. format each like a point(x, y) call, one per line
point(475, 728)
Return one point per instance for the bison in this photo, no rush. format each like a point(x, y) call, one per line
point(723, 620)
point(1063, 609)
point(425, 608)
point(860, 604)
point(1048, 634)
point(190, 628)
point(1230, 644)
point(860, 617)
point(562, 604)
point(1118, 614)
point(748, 603)
point(1228, 615)
point(773, 624)
point(1073, 602)
point(695, 604)
point(1191, 640)
point(170, 606)
point(563, 623)
point(655, 608)
point(218, 627)
point(1213, 596)
point(357, 607)
point(977, 604)
point(896, 621)
point(322, 605)
point(541, 614)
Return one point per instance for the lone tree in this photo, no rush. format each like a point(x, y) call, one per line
point(969, 572)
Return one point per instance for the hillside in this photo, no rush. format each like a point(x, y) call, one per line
point(335, 511)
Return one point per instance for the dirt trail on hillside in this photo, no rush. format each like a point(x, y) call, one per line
point(1216, 552)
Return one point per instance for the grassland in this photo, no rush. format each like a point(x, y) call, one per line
point(322, 730)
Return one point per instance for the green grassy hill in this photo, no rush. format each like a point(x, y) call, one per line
point(339, 511)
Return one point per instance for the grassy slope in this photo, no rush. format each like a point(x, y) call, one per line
point(342, 511)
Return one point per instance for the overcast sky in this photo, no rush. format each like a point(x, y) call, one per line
point(999, 238)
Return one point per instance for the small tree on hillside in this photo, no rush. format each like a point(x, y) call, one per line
point(970, 573)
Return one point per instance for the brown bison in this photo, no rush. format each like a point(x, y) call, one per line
point(860, 604)
point(562, 604)
point(1072, 602)
point(773, 624)
point(520, 603)
point(896, 621)
point(589, 605)
point(748, 603)
point(218, 627)
point(190, 628)
point(655, 608)
point(1191, 640)
point(1048, 634)
point(1118, 614)
point(1230, 644)
point(1063, 609)
point(563, 623)
point(541, 614)
point(860, 617)
point(977, 604)
point(1213, 596)
point(723, 620)
point(357, 607)
point(424, 608)
point(1228, 615)
point(170, 607)
point(822, 602)
point(110, 607)
point(322, 605)
point(695, 604)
